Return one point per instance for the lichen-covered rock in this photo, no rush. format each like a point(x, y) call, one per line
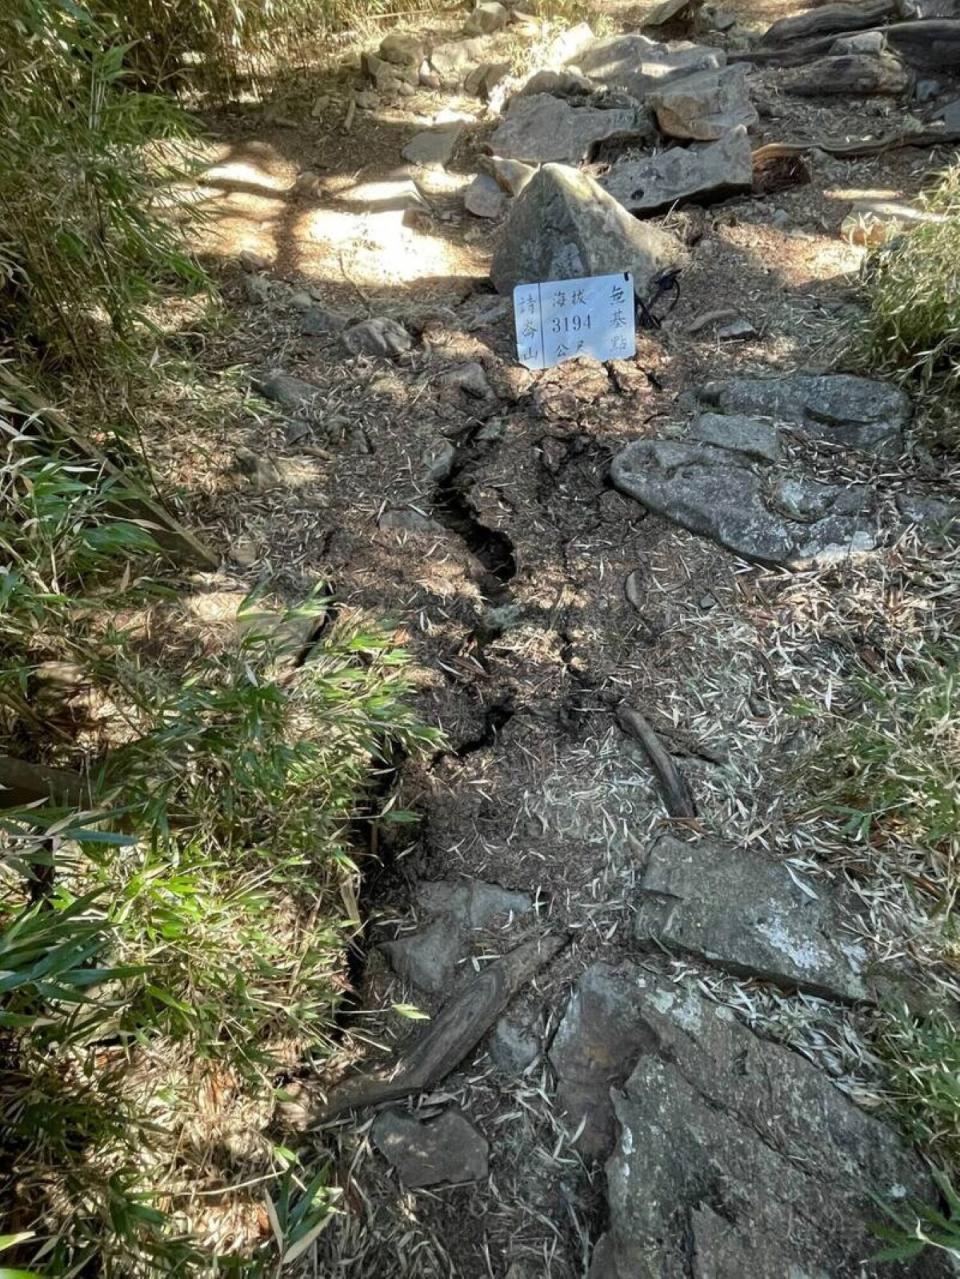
point(793, 521)
point(739, 1153)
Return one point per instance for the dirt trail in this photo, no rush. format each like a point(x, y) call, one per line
point(476, 512)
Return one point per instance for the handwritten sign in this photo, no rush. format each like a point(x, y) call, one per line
point(566, 319)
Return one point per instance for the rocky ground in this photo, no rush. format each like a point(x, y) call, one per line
point(618, 583)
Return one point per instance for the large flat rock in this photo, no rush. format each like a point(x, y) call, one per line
point(637, 65)
point(737, 1157)
point(542, 128)
point(705, 105)
point(704, 171)
point(744, 505)
point(856, 412)
point(564, 225)
point(747, 914)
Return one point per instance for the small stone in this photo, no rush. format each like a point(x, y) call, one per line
point(470, 378)
point(261, 469)
point(566, 82)
point(427, 958)
point(252, 262)
point(440, 461)
point(513, 176)
point(781, 219)
point(484, 310)
point(927, 90)
point(593, 1051)
point(737, 331)
point(484, 198)
point(377, 336)
point(482, 80)
point(402, 48)
point(512, 1046)
point(367, 100)
point(318, 320)
point(741, 434)
point(855, 74)
point(289, 391)
point(433, 148)
point(258, 289)
point(502, 618)
point(859, 42)
point(386, 76)
point(486, 19)
point(409, 521)
point(430, 80)
point(443, 1151)
point(723, 495)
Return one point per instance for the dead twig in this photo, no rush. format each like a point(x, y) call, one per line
point(676, 792)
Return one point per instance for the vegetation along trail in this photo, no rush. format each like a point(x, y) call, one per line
point(462, 820)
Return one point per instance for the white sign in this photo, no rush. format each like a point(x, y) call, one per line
point(564, 319)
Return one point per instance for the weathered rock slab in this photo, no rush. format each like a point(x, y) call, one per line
point(749, 915)
point(472, 902)
point(594, 1049)
point(706, 105)
point(433, 148)
point(542, 128)
point(706, 171)
point(738, 433)
point(434, 1152)
point(724, 1138)
point(638, 65)
point(856, 74)
point(565, 225)
point(841, 408)
point(724, 496)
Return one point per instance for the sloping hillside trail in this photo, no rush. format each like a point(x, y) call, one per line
point(469, 503)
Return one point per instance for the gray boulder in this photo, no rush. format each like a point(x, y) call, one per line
point(567, 82)
point(542, 128)
point(744, 506)
point(638, 65)
point(739, 1153)
point(565, 225)
point(853, 74)
point(706, 105)
point(484, 197)
point(749, 915)
point(443, 1151)
point(289, 391)
point(704, 171)
point(856, 412)
point(377, 336)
